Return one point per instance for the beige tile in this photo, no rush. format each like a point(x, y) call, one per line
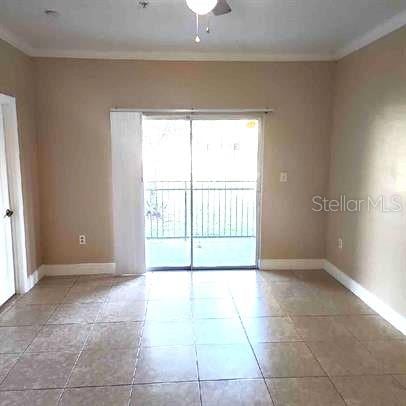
point(258, 307)
point(279, 276)
point(40, 371)
point(371, 391)
point(270, 329)
point(69, 337)
point(169, 310)
point(7, 361)
point(320, 328)
point(104, 367)
point(166, 364)
point(114, 336)
point(44, 397)
point(219, 331)
point(87, 293)
point(401, 379)
point(67, 281)
point(213, 309)
point(76, 313)
point(370, 327)
point(344, 357)
point(281, 360)
point(304, 392)
point(168, 333)
point(122, 311)
point(344, 303)
point(306, 306)
point(391, 354)
point(166, 394)
point(102, 396)
point(235, 393)
point(44, 295)
point(26, 315)
point(226, 362)
point(17, 339)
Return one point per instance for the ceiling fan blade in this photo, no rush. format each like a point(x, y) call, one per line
point(221, 8)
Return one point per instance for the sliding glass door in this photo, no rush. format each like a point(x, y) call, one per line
point(201, 183)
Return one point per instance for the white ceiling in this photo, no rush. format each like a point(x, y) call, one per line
point(255, 30)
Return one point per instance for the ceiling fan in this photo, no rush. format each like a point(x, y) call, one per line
point(203, 7)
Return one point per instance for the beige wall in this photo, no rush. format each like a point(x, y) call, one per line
point(74, 99)
point(368, 157)
point(17, 79)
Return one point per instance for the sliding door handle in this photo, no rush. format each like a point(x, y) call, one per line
point(9, 213)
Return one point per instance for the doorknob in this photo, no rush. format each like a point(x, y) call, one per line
point(9, 213)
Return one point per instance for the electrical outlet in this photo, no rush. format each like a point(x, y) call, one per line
point(82, 240)
point(283, 177)
point(340, 243)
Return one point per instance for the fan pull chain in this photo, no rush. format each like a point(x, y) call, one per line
point(197, 39)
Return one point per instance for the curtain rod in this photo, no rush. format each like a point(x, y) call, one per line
point(199, 111)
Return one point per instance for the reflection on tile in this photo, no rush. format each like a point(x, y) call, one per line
point(370, 327)
point(226, 362)
point(258, 307)
point(345, 357)
point(16, 339)
point(26, 315)
point(163, 394)
point(213, 309)
point(169, 310)
point(114, 336)
point(107, 396)
point(391, 354)
point(104, 367)
point(370, 390)
point(209, 290)
point(42, 370)
point(44, 397)
point(235, 393)
point(7, 361)
point(168, 333)
point(270, 329)
point(287, 360)
point(320, 328)
point(219, 331)
point(69, 337)
point(304, 392)
point(75, 313)
point(166, 364)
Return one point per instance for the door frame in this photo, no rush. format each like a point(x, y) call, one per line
point(224, 115)
point(9, 109)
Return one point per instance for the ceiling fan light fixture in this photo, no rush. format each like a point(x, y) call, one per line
point(201, 7)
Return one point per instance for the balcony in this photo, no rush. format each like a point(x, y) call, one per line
point(223, 226)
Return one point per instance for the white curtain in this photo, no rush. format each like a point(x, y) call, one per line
point(128, 192)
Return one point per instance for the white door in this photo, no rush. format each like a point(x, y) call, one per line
point(7, 281)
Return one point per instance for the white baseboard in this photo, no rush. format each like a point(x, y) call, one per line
point(79, 269)
point(291, 264)
point(33, 279)
point(393, 317)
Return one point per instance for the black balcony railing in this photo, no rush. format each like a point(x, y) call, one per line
point(220, 209)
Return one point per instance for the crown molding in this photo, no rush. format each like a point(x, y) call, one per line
point(381, 30)
point(15, 41)
point(181, 56)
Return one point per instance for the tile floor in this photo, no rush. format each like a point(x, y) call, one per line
point(294, 338)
